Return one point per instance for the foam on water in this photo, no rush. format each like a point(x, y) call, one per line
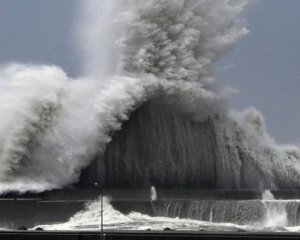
point(90, 219)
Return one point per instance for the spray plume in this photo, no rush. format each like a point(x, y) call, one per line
point(53, 126)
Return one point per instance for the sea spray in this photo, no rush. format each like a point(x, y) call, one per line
point(81, 129)
point(276, 214)
point(153, 194)
point(279, 164)
point(98, 32)
point(66, 123)
point(166, 49)
point(30, 102)
point(177, 42)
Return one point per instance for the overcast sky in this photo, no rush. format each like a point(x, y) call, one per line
point(265, 66)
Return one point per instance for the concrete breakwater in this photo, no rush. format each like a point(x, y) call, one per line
point(218, 206)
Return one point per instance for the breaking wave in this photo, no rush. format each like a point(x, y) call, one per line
point(53, 126)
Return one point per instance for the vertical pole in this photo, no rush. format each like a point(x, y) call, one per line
point(102, 233)
point(102, 237)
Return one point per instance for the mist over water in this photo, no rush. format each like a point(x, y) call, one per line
point(53, 126)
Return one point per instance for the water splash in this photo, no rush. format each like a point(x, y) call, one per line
point(153, 195)
point(276, 214)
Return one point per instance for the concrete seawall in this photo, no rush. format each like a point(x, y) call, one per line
point(58, 206)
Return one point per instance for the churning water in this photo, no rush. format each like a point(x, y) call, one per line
point(210, 215)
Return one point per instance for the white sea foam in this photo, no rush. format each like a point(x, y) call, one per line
point(90, 219)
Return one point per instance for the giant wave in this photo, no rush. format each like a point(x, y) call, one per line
point(156, 58)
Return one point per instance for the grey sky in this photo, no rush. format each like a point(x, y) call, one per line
point(265, 66)
point(38, 31)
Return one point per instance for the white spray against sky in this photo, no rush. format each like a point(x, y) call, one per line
point(52, 126)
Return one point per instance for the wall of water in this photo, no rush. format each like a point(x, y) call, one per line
point(163, 147)
point(185, 136)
